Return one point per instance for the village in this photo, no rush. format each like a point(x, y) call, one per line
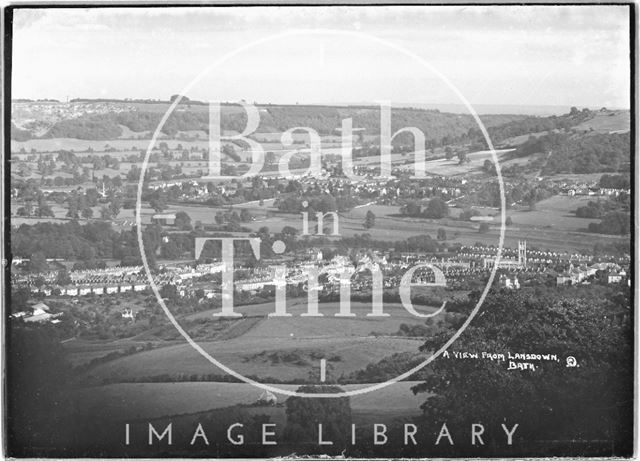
point(518, 267)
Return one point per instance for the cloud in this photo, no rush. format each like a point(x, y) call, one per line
point(500, 54)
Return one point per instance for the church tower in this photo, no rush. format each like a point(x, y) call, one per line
point(522, 253)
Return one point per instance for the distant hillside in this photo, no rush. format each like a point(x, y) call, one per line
point(607, 121)
point(439, 128)
point(582, 152)
point(105, 120)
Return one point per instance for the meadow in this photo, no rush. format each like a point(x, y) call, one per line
point(279, 348)
point(145, 401)
point(611, 121)
point(551, 225)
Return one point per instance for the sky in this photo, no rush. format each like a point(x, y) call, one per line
point(506, 55)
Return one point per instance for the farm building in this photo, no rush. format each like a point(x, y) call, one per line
point(164, 219)
point(40, 313)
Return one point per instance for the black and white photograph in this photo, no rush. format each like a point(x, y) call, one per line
point(319, 231)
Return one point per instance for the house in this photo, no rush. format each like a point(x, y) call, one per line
point(210, 294)
point(253, 285)
point(616, 276)
point(38, 317)
point(511, 283)
point(41, 307)
point(575, 275)
point(164, 219)
point(40, 313)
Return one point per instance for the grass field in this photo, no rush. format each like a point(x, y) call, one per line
point(349, 340)
point(618, 121)
point(555, 212)
point(132, 142)
point(551, 225)
point(444, 167)
point(146, 401)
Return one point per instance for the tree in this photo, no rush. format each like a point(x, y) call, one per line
point(105, 213)
point(369, 220)
point(63, 278)
point(327, 203)
point(39, 281)
point(38, 262)
point(19, 298)
point(561, 403)
point(462, 157)
point(170, 250)
point(442, 234)
point(28, 206)
point(436, 209)
point(115, 205)
point(44, 211)
point(270, 158)
point(484, 228)
point(134, 173)
point(183, 100)
point(614, 223)
point(72, 211)
point(304, 414)
point(448, 153)
point(38, 395)
point(508, 221)
point(92, 196)
point(286, 230)
point(158, 203)
point(183, 220)
point(87, 213)
point(116, 181)
point(245, 216)
point(411, 208)
point(170, 292)
point(488, 167)
point(86, 252)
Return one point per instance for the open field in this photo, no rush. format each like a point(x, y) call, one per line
point(141, 141)
point(517, 140)
point(298, 342)
point(250, 356)
point(551, 225)
point(557, 212)
point(79, 352)
point(444, 167)
point(612, 121)
point(127, 402)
